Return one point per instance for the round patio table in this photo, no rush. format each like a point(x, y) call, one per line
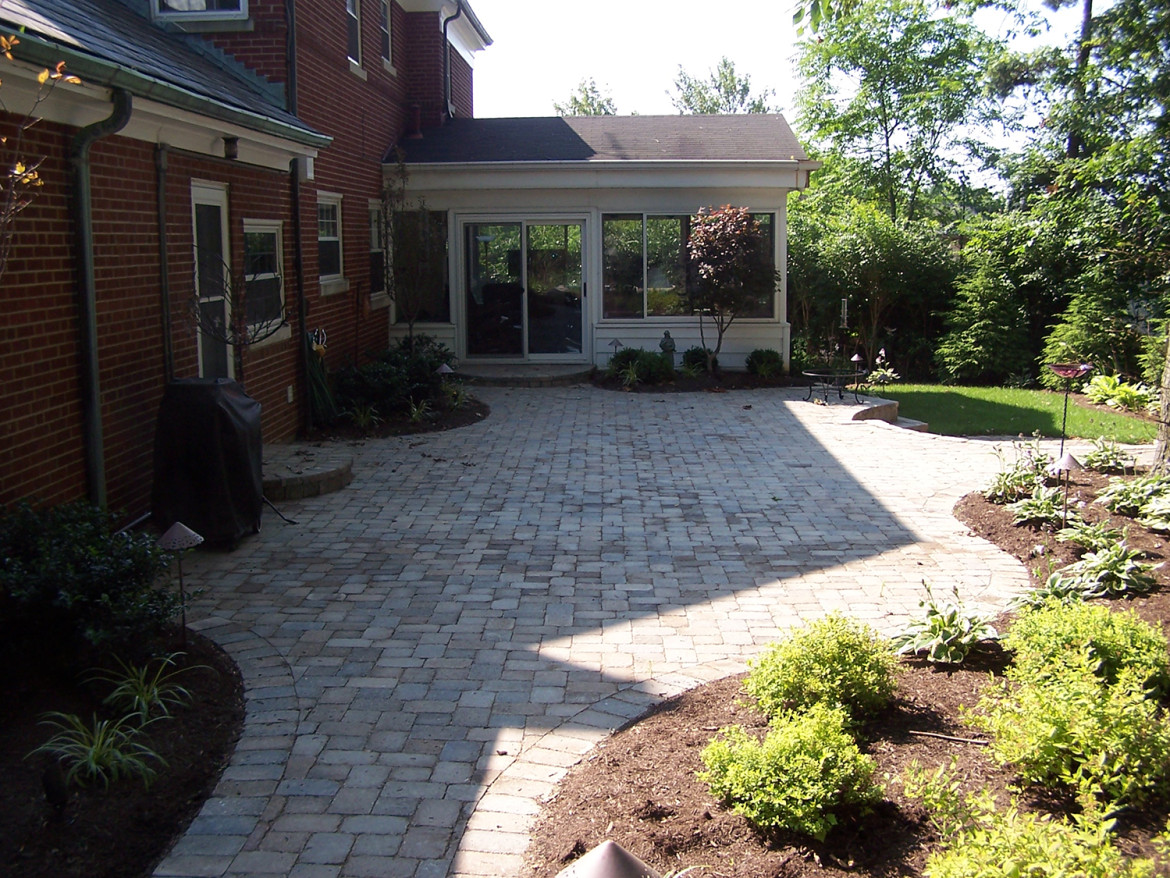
point(825, 380)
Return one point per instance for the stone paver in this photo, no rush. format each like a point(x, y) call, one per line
point(427, 651)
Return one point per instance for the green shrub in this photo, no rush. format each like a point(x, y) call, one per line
point(636, 366)
point(102, 751)
point(990, 843)
point(404, 375)
point(834, 661)
point(69, 577)
point(807, 769)
point(1050, 636)
point(1072, 729)
point(696, 359)
point(1091, 537)
point(1113, 391)
point(765, 362)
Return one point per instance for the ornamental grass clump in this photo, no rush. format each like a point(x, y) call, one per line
point(805, 772)
point(835, 661)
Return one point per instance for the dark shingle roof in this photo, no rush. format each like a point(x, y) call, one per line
point(118, 40)
point(753, 137)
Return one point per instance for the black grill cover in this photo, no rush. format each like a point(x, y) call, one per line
point(207, 464)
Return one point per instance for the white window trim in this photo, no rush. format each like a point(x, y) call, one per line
point(381, 300)
point(215, 194)
point(332, 284)
point(386, 27)
point(355, 64)
point(159, 14)
point(275, 227)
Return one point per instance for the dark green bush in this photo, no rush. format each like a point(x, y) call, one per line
point(696, 358)
point(649, 367)
point(765, 362)
point(403, 376)
point(67, 574)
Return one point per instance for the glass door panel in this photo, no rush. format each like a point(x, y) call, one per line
point(211, 283)
point(495, 290)
point(554, 288)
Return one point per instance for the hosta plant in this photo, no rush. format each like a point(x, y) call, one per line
point(1131, 496)
point(1108, 456)
point(1114, 571)
point(946, 633)
point(1018, 479)
point(1046, 507)
point(1112, 391)
point(1156, 514)
point(1090, 537)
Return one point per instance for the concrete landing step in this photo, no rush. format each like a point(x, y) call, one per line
point(911, 424)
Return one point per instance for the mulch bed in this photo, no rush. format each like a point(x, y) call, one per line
point(639, 788)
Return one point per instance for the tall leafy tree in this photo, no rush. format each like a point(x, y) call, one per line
point(587, 100)
point(722, 92)
point(894, 90)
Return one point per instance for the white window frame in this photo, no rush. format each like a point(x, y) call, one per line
point(353, 28)
point(160, 14)
point(276, 229)
point(382, 299)
point(386, 34)
point(213, 194)
point(332, 283)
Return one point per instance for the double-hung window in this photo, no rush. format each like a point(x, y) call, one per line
point(384, 31)
point(353, 30)
point(263, 278)
point(330, 265)
point(378, 294)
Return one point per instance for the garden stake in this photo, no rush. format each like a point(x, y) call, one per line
point(1068, 371)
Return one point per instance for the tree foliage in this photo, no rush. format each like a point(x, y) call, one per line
point(587, 100)
point(729, 253)
point(722, 92)
point(896, 89)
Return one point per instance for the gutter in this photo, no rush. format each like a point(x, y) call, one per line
point(94, 71)
point(91, 402)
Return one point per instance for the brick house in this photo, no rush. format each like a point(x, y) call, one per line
point(212, 145)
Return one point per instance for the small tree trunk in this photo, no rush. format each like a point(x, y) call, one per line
point(1161, 464)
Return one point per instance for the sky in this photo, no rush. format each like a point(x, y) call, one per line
point(542, 49)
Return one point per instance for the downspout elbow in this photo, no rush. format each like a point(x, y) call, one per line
point(448, 102)
point(91, 408)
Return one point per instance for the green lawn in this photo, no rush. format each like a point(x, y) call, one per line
point(1009, 411)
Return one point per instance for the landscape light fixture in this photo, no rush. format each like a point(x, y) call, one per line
point(178, 538)
point(1061, 469)
point(1068, 371)
point(608, 860)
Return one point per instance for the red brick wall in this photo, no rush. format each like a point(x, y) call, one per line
point(42, 450)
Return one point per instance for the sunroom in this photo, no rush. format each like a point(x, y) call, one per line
point(566, 237)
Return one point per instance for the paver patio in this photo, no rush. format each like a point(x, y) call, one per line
point(427, 651)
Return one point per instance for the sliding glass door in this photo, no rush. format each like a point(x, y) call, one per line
point(525, 290)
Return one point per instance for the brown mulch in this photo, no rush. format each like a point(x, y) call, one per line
point(639, 787)
point(123, 831)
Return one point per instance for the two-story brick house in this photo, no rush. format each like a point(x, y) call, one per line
point(213, 146)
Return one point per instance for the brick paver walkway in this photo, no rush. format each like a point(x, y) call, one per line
point(427, 651)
